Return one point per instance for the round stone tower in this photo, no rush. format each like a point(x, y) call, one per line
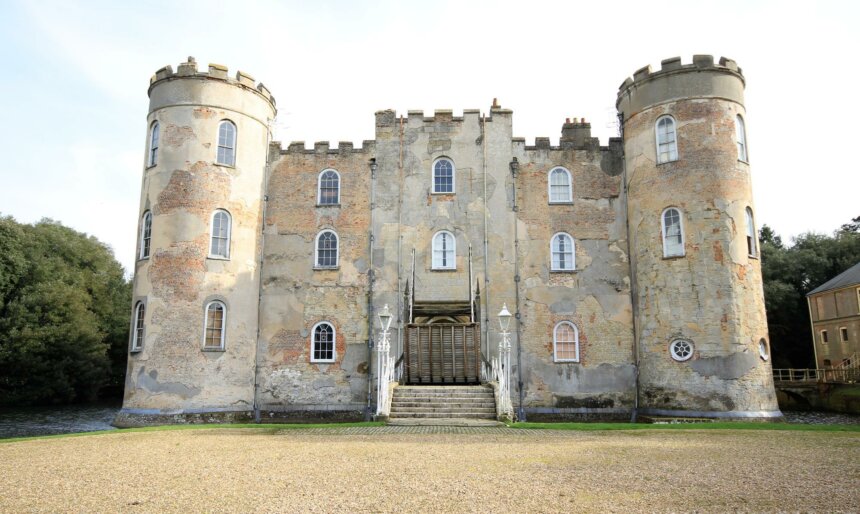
point(196, 280)
point(701, 333)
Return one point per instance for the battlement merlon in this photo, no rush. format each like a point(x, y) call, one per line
point(216, 72)
point(703, 78)
point(321, 147)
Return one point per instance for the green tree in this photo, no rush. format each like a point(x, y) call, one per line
point(65, 307)
point(789, 273)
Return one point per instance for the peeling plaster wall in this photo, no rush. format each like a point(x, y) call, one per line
point(172, 373)
point(295, 296)
point(713, 295)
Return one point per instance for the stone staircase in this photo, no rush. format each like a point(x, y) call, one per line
point(443, 402)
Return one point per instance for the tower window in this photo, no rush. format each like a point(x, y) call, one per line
point(565, 342)
point(824, 336)
point(145, 234)
point(226, 143)
point(562, 249)
point(322, 342)
point(751, 237)
point(673, 233)
point(444, 250)
point(443, 176)
point(560, 190)
point(326, 249)
point(741, 136)
point(215, 322)
point(153, 144)
point(843, 334)
point(219, 247)
point(667, 144)
point(137, 331)
point(681, 350)
point(763, 351)
point(329, 188)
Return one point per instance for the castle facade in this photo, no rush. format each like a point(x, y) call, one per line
point(632, 270)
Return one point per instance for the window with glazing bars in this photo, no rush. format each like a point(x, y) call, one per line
point(566, 342)
point(559, 186)
point(227, 143)
point(323, 343)
point(443, 176)
point(137, 337)
point(329, 193)
point(215, 317)
point(153, 144)
point(327, 250)
point(220, 246)
point(667, 145)
point(673, 238)
point(145, 234)
point(444, 255)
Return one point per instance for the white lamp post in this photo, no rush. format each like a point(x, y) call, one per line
point(505, 361)
point(384, 363)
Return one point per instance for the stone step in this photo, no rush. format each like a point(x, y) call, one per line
point(471, 415)
point(421, 410)
point(451, 404)
point(434, 394)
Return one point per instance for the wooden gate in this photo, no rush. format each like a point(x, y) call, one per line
point(442, 353)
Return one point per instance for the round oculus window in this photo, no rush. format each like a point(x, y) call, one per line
point(762, 350)
point(681, 350)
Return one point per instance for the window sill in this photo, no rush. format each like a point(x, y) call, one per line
point(673, 257)
point(443, 193)
point(443, 269)
point(326, 268)
point(747, 162)
point(328, 204)
point(224, 165)
point(566, 202)
point(566, 361)
point(135, 351)
point(150, 166)
point(753, 257)
point(667, 162)
point(141, 259)
point(218, 258)
point(570, 271)
point(323, 362)
point(209, 349)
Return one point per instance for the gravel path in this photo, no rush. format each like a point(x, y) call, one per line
point(420, 469)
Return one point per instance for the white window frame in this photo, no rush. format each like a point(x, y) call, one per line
point(673, 145)
point(212, 234)
point(223, 341)
point(138, 329)
point(665, 236)
point(751, 237)
point(843, 334)
point(229, 146)
point(145, 236)
point(333, 342)
point(552, 252)
point(555, 341)
point(437, 264)
point(319, 187)
point(154, 134)
point(673, 351)
point(317, 264)
point(453, 176)
point(741, 136)
point(549, 185)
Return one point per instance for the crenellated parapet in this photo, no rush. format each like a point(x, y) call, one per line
point(217, 72)
point(703, 78)
point(324, 147)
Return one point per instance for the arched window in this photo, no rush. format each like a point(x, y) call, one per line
point(137, 334)
point(227, 143)
point(326, 250)
point(562, 248)
point(215, 324)
point(673, 233)
point(220, 245)
point(153, 144)
point(444, 250)
point(322, 342)
point(565, 342)
point(329, 188)
point(741, 136)
point(751, 237)
point(443, 176)
point(560, 190)
point(145, 234)
point(667, 144)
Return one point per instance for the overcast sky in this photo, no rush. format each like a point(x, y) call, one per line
point(75, 75)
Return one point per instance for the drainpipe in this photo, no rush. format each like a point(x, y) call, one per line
point(267, 167)
point(400, 247)
point(634, 288)
point(486, 323)
point(371, 277)
point(521, 413)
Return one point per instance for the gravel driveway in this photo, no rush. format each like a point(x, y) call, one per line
point(419, 469)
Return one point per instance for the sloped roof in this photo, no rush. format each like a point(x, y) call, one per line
point(847, 278)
